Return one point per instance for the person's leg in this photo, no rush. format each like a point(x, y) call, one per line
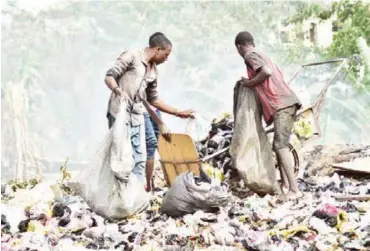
point(284, 178)
point(151, 146)
point(155, 126)
point(139, 150)
point(156, 132)
point(283, 124)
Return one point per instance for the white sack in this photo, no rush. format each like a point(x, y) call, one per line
point(108, 185)
point(250, 150)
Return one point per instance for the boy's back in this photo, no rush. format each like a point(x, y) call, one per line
point(274, 94)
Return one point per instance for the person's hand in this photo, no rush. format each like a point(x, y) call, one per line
point(165, 132)
point(244, 81)
point(123, 96)
point(186, 114)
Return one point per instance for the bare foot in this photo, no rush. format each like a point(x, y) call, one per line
point(148, 188)
point(291, 195)
point(284, 188)
point(281, 198)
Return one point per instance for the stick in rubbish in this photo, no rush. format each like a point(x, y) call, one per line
point(351, 197)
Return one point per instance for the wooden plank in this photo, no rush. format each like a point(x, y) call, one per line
point(351, 170)
point(180, 150)
point(189, 153)
point(164, 150)
point(351, 197)
point(357, 166)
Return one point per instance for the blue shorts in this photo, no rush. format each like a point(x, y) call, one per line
point(151, 135)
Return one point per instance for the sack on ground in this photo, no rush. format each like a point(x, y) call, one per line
point(250, 150)
point(190, 193)
point(108, 185)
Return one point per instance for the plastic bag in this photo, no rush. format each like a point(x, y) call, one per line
point(197, 128)
point(108, 186)
point(213, 172)
point(190, 193)
point(304, 127)
point(250, 150)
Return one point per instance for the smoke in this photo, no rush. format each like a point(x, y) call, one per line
point(345, 112)
point(70, 46)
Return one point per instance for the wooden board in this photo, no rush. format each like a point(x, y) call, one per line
point(180, 150)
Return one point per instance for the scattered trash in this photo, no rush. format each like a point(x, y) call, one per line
point(333, 214)
point(213, 172)
point(217, 139)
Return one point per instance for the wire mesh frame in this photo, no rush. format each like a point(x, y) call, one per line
point(317, 105)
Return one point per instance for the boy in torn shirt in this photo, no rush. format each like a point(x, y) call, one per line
point(133, 78)
point(278, 102)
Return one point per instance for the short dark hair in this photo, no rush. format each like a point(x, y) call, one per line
point(244, 38)
point(158, 39)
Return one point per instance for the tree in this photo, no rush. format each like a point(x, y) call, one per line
point(352, 24)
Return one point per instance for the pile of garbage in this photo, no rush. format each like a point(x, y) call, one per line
point(334, 214)
point(320, 160)
point(217, 143)
point(214, 146)
point(196, 213)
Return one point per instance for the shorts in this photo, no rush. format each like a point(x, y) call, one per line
point(283, 125)
point(151, 135)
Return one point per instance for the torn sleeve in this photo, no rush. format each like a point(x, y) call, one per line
point(122, 63)
point(255, 60)
point(151, 92)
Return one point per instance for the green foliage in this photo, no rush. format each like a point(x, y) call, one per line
point(29, 184)
point(306, 10)
point(353, 22)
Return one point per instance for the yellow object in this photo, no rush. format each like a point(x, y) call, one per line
point(341, 219)
point(16, 242)
point(49, 213)
point(213, 172)
point(286, 234)
point(223, 116)
point(36, 226)
point(243, 218)
point(28, 208)
point(178, 156)
point(293, 231)
point(303, 127)
point(155, 208)
point(64, 173)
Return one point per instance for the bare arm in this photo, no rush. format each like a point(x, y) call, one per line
point(163, 107)
point(160, 105)
point(152, 97)
point(152, 114)
point(260, 66)
point(162, 127)
point(263, 74)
